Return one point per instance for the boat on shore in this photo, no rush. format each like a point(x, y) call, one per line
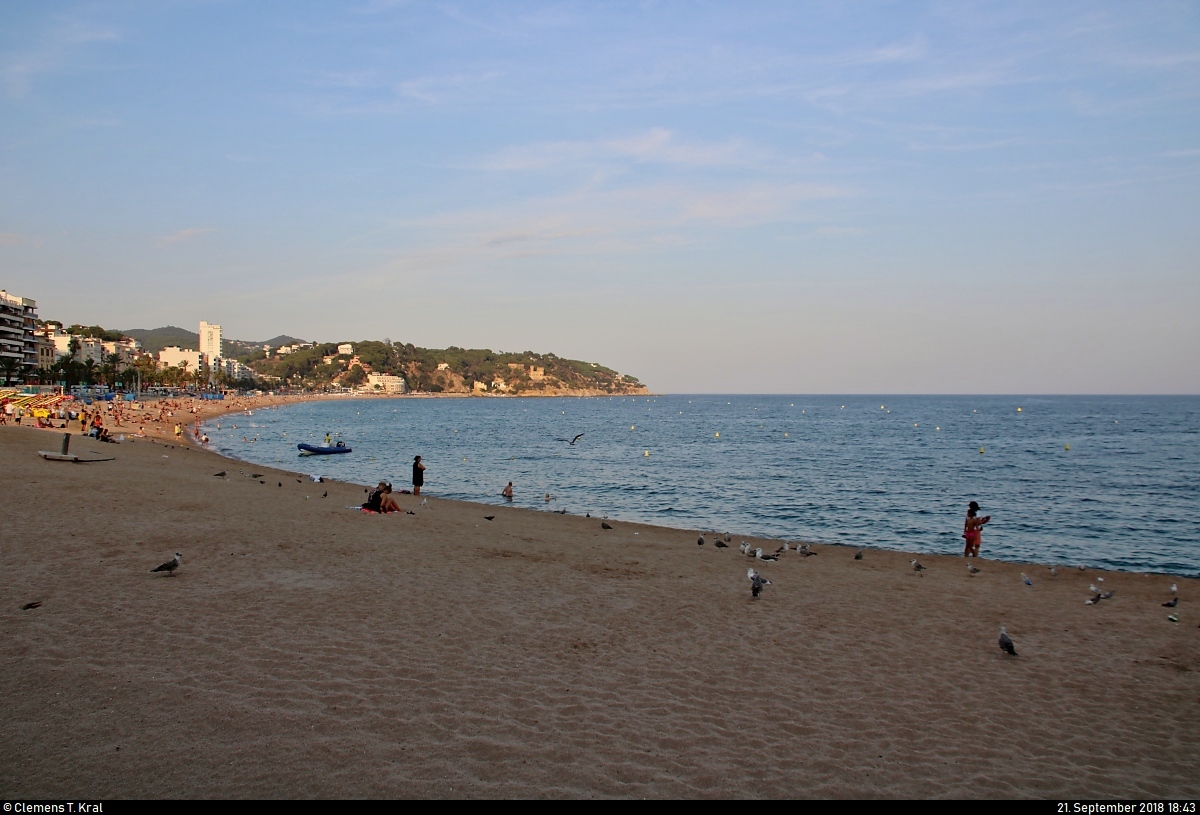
point(315, 450)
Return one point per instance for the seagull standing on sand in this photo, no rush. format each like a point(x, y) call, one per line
point(858, 555)
point(1006, 643)
point(756, 582)
point(721, 545)
point(916, 567)
point(170, 566)
point(1053, 572)
point(700, 541)
point(743, 547)
point(972, 569)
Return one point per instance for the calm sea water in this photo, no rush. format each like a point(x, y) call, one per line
point(893, 472)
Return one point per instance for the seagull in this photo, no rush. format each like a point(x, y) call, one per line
point(1173, 602)
point(219, 475)
point(1082, 568)
point(489, 517)
point(782, 549)
point(170, 566)
point(758, 553)
point(721, 545)
point(1025, 577)
point(604, 525)
point(577, 438)
point(728, 538)
point(1053, 572)
point(858, 555)
point(1108, 595)
point(973, 569)
point(917, 567)
point(280, 484)
point(424, 502)
point(1094, 600)
point(770, 558)
point(1174, 588)
point(700, 541)
point(1092, 588)
point(1006, 643)
point(744, 547)
point(256, 475)
point(756, 582)
point(325, 494)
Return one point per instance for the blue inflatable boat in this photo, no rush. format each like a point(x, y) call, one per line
point(314, 450)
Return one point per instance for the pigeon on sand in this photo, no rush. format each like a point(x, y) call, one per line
point(1006, 643)
point(170, 566)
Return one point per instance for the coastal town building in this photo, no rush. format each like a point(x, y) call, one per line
point(174, 357)
point(47, 350)
point(443, 366)
point(386, 383)
point(537, 372)
point(479, 387)
point(235, 370)
point(210, 341)
point(346, 348)
point(18, 343)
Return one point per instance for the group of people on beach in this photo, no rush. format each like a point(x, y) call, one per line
point(380, 499)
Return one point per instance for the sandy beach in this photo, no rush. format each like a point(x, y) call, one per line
point(304, 649)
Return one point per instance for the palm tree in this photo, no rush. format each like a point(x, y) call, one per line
point(10, 365)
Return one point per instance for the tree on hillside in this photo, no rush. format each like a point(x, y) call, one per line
point(355, 376)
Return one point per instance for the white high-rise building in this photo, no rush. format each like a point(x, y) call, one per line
point(210, 342)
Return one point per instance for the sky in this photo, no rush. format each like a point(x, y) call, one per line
point(793, 197)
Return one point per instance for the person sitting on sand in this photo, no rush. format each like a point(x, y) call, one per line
point(380, 500)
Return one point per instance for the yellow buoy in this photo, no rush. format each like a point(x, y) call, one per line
point(718, 435)
point(785, 435)
point(631, 427)
point(981, 451)
point(646, 454)
point(1066, 447)
point(937, 428)
point(1018, 410)
point(915, 424)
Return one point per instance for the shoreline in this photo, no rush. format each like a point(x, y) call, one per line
point(209, 410)
point(306, 650)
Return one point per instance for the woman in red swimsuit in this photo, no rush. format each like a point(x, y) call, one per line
point(973, 530)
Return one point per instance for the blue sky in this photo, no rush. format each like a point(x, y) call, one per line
point(763, 197)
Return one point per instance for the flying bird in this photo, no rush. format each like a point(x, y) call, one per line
point(170, 566)
point(1006, 643)
point(858, 554)
point(604, 525)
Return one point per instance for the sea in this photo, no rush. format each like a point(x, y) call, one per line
point(1104, 481)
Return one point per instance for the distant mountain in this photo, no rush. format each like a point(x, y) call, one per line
point(154, 340)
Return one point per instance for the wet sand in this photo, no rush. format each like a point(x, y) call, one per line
point(307, 650)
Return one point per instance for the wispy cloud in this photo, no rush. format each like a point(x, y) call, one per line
point(11, 239)
point(52, 52)
point(657, 145)
point(184, 235)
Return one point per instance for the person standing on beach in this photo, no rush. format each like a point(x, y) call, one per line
point(973, 530)
point(418, 475)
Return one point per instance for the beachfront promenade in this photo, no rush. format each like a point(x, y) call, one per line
point(306, 649)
